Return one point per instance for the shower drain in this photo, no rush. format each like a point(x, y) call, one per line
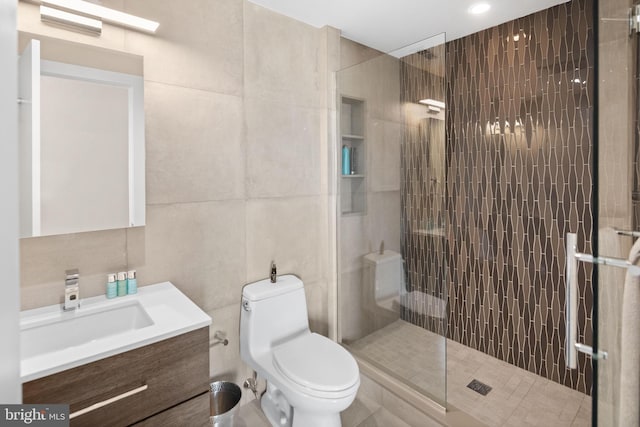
point(479, 387)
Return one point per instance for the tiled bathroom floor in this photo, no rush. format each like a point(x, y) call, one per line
point(362, 413)
point(517, 398)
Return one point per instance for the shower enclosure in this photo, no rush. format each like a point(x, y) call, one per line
point(468, 163)
point(391, 217)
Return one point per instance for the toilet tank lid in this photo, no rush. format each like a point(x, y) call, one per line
point(264, 289)
point(387, 256)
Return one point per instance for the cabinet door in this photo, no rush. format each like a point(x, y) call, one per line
point(193, 413)
point(126, 388)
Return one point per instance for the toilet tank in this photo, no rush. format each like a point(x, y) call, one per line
point(270, 314)
point(383, 275)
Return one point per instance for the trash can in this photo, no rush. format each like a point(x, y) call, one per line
point(224, 398)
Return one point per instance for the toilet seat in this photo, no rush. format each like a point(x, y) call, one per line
point(317, 363)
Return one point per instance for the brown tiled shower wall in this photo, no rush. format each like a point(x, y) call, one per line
point(518, 177)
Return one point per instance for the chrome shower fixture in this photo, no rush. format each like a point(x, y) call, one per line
point(634, 19)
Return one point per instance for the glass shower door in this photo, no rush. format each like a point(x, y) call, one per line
point(392, 227)
point(616, 390)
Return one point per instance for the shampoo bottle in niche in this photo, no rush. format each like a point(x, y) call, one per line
point(112, 286)
point(353, 160)
point(346, 160)
point(132, 283)
point(122, 283)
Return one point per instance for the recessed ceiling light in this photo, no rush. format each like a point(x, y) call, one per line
point(478, 8)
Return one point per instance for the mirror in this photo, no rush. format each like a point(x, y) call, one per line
point(81, 137)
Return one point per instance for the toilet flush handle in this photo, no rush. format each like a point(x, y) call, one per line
point(246, 305)
point(274, 276)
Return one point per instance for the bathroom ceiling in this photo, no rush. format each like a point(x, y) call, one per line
point(388, 25)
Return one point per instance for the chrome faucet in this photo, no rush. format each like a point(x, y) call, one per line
point(72, 290)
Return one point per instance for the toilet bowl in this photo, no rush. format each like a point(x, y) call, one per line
point(310, 379)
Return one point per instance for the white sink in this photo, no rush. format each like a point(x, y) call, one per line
point(52, 340)
point(73, 329)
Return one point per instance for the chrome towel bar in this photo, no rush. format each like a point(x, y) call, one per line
point(628, 233)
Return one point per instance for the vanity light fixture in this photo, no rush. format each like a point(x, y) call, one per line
point(479, 8)
point(48, 14)
point(104, 13)
point(432, 103)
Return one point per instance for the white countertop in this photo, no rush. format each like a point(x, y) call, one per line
point(171, 312)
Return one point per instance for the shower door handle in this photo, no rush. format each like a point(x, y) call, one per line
point(571, 295)
point(572, 346)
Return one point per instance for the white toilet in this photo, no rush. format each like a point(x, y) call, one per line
point(310, 379)
point(383, 279)
point(385, 290)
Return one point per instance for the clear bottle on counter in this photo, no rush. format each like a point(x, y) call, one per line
point(112, 286)
point(132, 283)
point(122, 283)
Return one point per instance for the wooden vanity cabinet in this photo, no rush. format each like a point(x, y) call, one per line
point(166, 383)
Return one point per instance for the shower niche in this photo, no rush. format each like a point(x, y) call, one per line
point(352, 158)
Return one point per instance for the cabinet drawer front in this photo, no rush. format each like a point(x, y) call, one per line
point(131, 386)
point(193, 413)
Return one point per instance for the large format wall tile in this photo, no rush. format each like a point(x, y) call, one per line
point(199, 247)
point(225, 362)
point(383, 220)
point(287, 231)
point(283, 149)
point(354, 241)
point(197, 155)
point(353, 319)
point(43, 261)
point(285, 60)
point(199, 43)
point(376, 82)
point(316, 296)
point(353, 53)
point(383, 144)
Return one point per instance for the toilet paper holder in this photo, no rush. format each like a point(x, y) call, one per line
point(220, 337)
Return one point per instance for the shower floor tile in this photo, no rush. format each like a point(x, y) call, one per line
point(517, 398)
point(420, 350)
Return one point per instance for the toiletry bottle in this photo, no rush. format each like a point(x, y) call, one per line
point(122, 283)
point(346, 162)
point(112, 286)
point(132, 283)
point(353, 161)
